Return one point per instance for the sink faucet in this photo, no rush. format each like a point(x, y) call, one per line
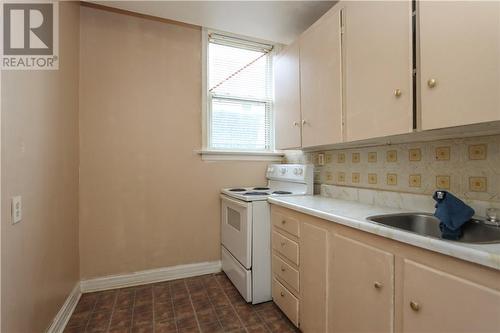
point(439, 195)
point(492, 217)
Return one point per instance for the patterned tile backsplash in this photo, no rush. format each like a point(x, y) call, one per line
point(468, 167)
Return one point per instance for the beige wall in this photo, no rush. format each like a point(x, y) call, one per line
point(146, 199)
point(40, 162)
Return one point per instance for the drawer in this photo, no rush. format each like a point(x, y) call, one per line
point(286, 223)
point(288, 303)
point(286, 273)
point(286, 247)
point(239, 276)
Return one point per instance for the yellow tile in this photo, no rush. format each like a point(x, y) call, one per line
point(442, 153)
point(372, 178)
point(415, 180)
point(415, 154)
point(372, 157)
point(355, 158)
point(392, 179)
point(355, 177)
point(443, 182)
point(328, 176)
point(477, 152)
point(341, 158)
point(478, 184)
point(392, 156)
point(328, 158)
point(341, 177)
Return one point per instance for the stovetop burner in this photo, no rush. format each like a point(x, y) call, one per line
point(261, 188)
point(237, 190)
point(256, 193)
point(282, 192)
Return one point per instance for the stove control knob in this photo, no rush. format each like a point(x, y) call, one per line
point(283, 171)
point(297, 171)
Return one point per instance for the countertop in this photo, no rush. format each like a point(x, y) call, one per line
point(354, 214)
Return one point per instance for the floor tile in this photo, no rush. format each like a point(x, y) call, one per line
point(207, 304)
point(168, 326)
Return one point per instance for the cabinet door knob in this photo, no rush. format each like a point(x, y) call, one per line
point(283, 221)
point(431, 83)
point(398, 93)
point(304, 122)
point(283, 269)
point(414, 306)
point(283, 243)
point(377, 285)
point(282, 294)
point(295, 123)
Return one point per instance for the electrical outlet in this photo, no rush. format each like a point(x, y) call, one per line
point(321, 159)
point(17, 209)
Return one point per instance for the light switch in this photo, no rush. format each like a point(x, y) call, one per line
point(17, 209)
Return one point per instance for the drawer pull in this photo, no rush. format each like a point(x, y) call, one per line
point(282, 294)
point(283, 269)
point(283, 243)
point(378, 285)
point(414, 306)
point(283, 221)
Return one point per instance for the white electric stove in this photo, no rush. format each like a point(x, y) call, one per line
point(246, 228)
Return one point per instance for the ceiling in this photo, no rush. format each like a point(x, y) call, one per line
point(276, 21)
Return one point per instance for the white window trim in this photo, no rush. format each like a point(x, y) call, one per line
point(224, 155)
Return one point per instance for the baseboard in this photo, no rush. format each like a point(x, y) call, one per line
point(149, 276)
point(62, 317)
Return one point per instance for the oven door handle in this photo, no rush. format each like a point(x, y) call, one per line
point(239, 203)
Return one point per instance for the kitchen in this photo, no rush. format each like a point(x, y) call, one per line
point(312, 166)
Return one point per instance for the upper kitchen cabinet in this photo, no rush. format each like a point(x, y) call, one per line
point(377, 43)
point(321, 82)
point(287, 98)
point(459, 62)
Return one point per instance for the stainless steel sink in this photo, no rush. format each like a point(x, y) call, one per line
point(424, 224)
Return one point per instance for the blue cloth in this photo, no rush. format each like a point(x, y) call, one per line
point(453, 214)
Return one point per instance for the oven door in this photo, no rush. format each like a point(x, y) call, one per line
point(236, 229)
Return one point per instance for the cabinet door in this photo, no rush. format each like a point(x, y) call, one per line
point(313, 278)
point(377, 44)
point(287, 98)
point(361, 288)
point(320, 82)
point(460, 50)
point(435, 301)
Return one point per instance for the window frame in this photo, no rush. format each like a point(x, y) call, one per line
point(209, 153)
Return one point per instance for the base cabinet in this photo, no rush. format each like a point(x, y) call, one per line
point(362, 287)
point(435, 301)
point(351, 281)
point(314, 258)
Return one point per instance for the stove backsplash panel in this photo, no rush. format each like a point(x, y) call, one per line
point(468, 167)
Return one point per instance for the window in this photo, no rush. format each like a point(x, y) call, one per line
point(239, 84)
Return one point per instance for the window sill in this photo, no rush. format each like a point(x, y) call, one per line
point(227, 155)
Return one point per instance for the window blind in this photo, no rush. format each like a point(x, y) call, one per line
point(240, 94)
